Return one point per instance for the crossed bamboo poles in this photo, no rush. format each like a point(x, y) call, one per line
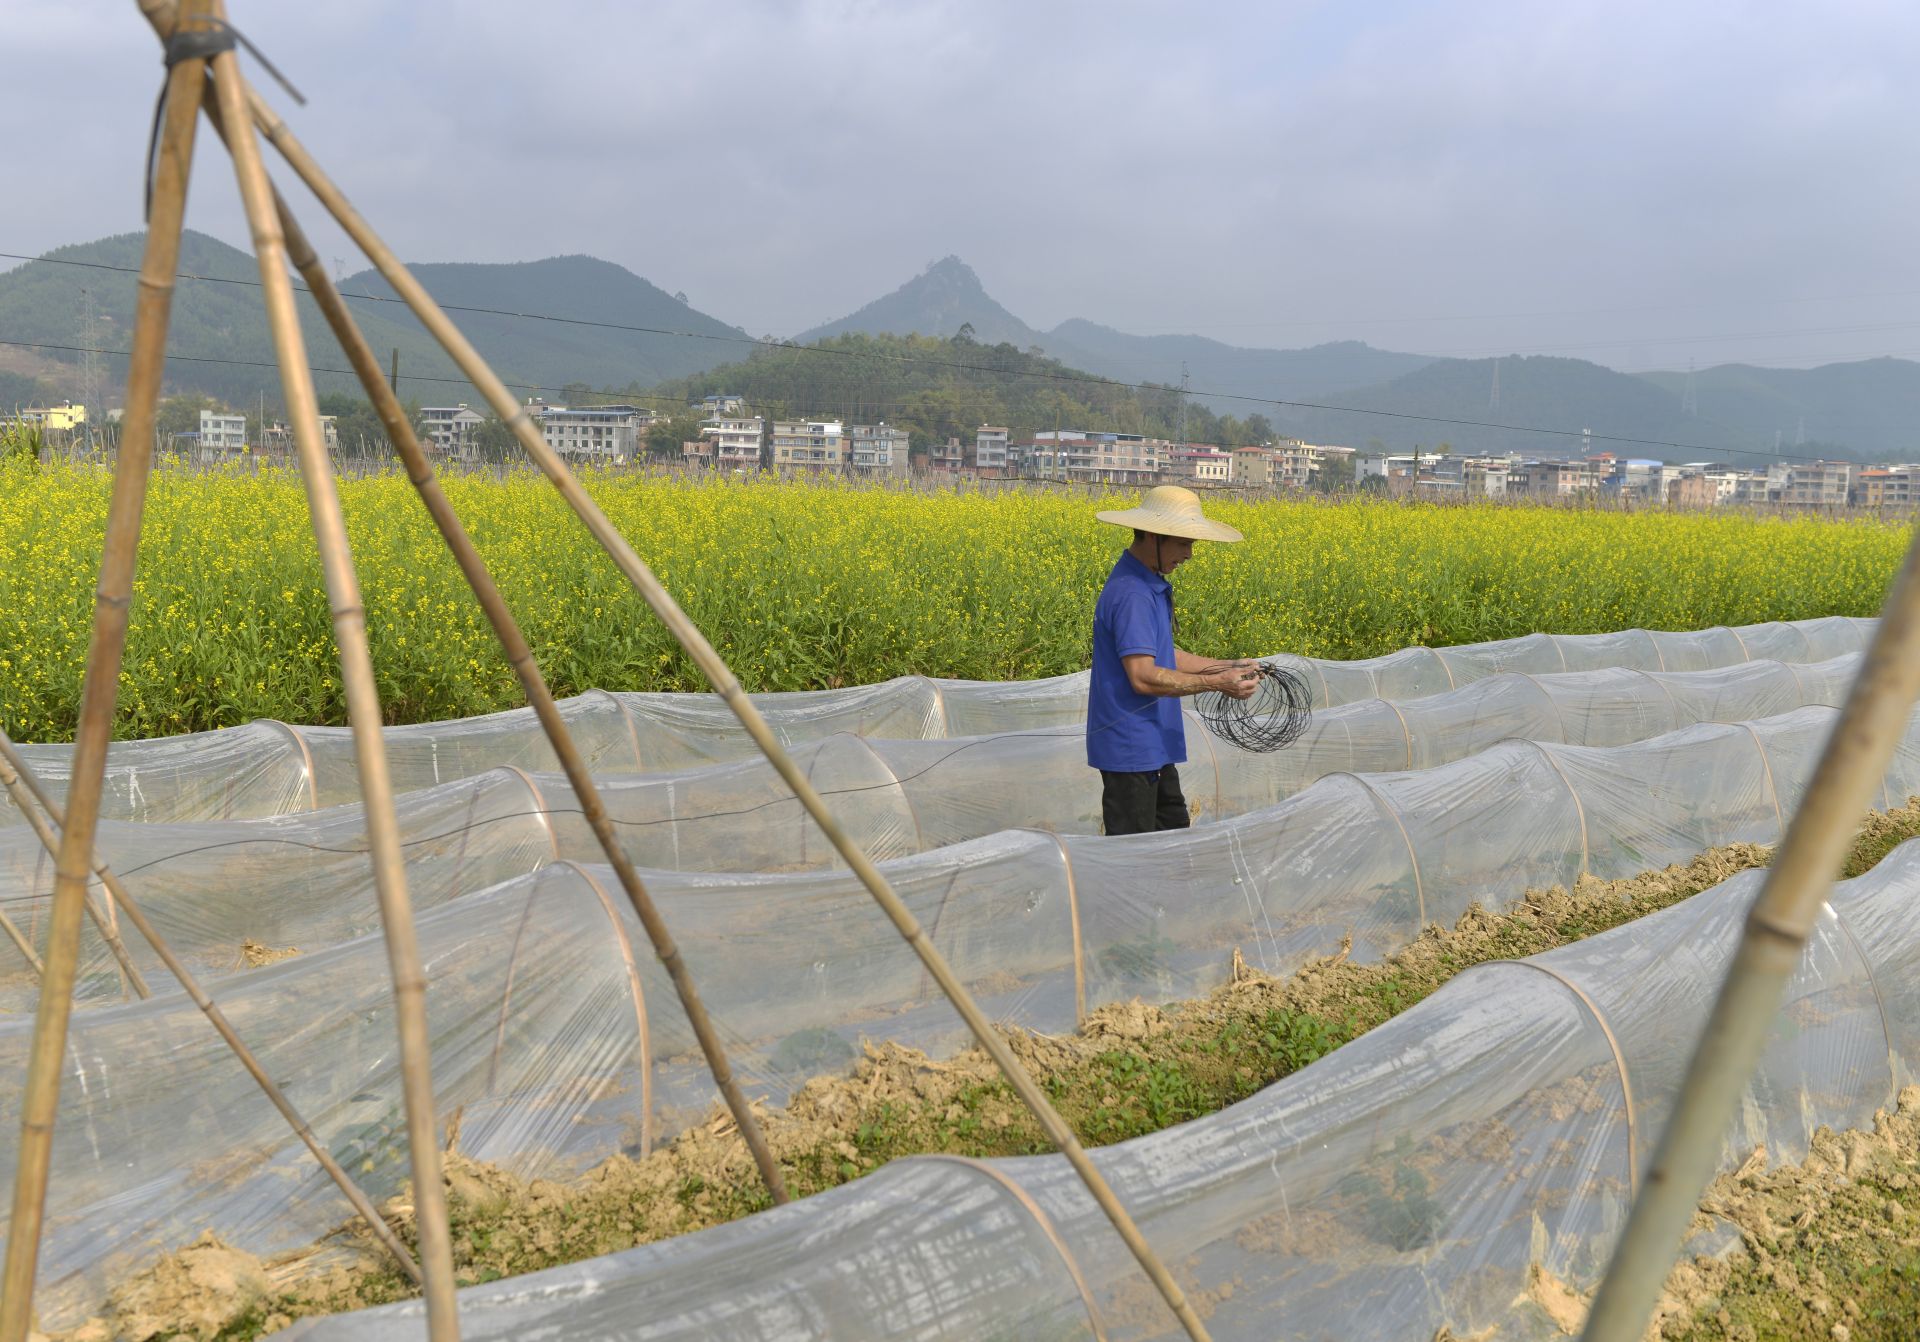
point(235, 110)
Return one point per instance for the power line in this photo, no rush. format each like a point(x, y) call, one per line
point(1085, 379)
point(1310, 322)
point(744, 339)
point(621, 398)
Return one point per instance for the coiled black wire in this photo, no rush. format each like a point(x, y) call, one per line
point(1272, 718)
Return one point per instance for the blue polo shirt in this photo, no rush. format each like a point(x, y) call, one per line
point(1129, 732)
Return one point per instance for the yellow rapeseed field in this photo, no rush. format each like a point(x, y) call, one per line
point(804, 586)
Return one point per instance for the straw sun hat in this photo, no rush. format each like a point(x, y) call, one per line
point(1169, 510)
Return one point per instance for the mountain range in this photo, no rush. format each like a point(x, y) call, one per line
point(218, 343)
point(1864, 411)
point(572, 320)
point(947, 294)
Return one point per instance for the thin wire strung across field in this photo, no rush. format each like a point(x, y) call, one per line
point(1065, 376)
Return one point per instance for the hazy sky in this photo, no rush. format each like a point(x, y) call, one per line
point(1638, 182)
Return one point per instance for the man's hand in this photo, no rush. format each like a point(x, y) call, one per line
point(1236, 680)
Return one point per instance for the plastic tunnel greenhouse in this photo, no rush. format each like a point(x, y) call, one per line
point(557, 1039)
point(1416, 1178)
point(273, 768)
point(301, 880)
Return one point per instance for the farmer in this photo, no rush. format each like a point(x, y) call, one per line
point(1134, 734)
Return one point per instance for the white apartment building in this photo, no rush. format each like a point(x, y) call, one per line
point(1561, 479)
point(812, 445)
point(990, 454)
point(1758, 487)
point(1256, 467)
point(598, 433)
point(727, 443)
point(878, 449)
point(1895, 487)
point(450, 427)
point(1293, 465)
point(1725, 479)
point(1296, 465)
point(1099, 458)
point(1384, 466)
point(1200, 465)
point(1485, 477)
point(1816, 484)
point(279, 437)
point(222, 431)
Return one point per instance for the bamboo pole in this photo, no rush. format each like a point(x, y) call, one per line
point(24, 946)
point(40, 1101)
point(503, 403)
point(1777, 929)
point(17, 776)
point(363, 704)
point(102, 920)
point(520, 657)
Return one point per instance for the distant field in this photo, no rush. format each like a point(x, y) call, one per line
point(809, 586)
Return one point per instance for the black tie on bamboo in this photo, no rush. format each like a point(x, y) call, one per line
point(201, 40)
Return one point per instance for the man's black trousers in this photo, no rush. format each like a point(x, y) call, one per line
point(1143, 803)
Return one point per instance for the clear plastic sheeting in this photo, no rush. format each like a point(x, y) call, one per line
point(302, 880)
point(558, 1038)
point(162, 1134)
point(271, 768)
point(263, 768)
point(1416, 1179)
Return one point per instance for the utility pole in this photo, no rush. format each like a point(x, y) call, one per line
point(89, 372)
point(1493, 401)
point(1059, 462)
point(1689, 401)
point(1183, 403)
point(393, 378)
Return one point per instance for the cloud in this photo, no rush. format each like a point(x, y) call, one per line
point(1426, 177)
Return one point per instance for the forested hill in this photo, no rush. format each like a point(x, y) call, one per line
point(940, 388)
point(217, 338)
point(219, 345)
point(937, 302)
point(1221, 373)
point(602, 301)
point(948, 295)
point(1872, 405)
point(1544, 403)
